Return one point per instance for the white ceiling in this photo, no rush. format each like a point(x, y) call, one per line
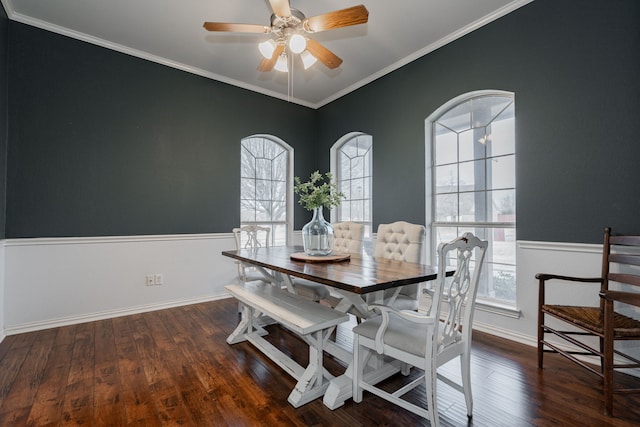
point(171, 33)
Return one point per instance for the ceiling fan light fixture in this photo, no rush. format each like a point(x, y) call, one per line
point(267, 48)
point(297, 43)
point(307, 59)
point(281, 64)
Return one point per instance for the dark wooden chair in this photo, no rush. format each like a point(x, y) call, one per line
point(619, 292)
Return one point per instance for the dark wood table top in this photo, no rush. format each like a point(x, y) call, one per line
point(360, 274)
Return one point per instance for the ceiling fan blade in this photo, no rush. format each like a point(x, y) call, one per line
point(237, 28)
point(268, 64)
point(323, 54)
point(280, 7)
point(339, 18)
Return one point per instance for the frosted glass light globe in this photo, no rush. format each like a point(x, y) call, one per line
point(297, 43)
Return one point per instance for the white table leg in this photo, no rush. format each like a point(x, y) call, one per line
point(341, 388)
point(314, 381)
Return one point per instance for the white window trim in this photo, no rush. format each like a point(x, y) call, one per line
point(333, 154)
point(497, 307)
point(290, 164)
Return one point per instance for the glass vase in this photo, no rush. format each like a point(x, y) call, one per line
point(317, 235)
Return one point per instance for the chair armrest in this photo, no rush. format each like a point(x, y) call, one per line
point(429, 291)
point(624, 297)
point(545, 276)
point(411, 316)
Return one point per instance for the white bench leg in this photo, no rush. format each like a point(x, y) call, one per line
point(246, 326)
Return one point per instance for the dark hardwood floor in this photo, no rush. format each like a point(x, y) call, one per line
point(173, 367)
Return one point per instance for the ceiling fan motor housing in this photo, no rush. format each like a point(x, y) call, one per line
point(279, 23)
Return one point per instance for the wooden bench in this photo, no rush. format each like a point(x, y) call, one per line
point(311, 321)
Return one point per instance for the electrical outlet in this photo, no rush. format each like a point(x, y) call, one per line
point(150, 280)
point(157, 279)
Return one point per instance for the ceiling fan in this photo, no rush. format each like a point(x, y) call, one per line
point(290, 29)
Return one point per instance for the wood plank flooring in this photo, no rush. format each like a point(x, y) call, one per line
point(173, 367)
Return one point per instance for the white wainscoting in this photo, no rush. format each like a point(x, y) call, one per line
point(573, 259)
point(58, 281)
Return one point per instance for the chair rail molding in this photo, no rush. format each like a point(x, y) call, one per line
point(51, 282)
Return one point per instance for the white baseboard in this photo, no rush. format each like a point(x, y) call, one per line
point(506, 333)
point(91, 317)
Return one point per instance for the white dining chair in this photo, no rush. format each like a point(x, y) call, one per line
point(250, 237)
point(426, 341)
point(348, 237)
point(402, 241)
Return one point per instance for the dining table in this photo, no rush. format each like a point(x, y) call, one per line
point(358, 280)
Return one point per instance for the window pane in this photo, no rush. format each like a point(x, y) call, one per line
point(366, 183)
point(472, 176)
point(472, 207)
point(263, 169)
point(502, 137)
point(345, 188)
point(279, 168)
point(279, 190)
point(503, 286)
point(503, 205)
point(458, 118)
point(279, 234)
point(446, 179)
point(503, 172)
point(279, 211)
point(356, 211)
point(247, 165)
point(247, 210)
point(466, 146)
point(504, 246)
point(446, 146)
point(263, 189)
point(357, 189)
point(248, 188)
point(446, 207)
point(445, 234)
point(357, 167)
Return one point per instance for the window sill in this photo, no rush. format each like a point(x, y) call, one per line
point(498, 308)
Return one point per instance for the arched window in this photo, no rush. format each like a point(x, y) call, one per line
point(472, 159)
point(266, 185)
point(351, 165)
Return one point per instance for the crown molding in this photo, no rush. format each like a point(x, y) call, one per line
point(8, 6)
point(499, 13)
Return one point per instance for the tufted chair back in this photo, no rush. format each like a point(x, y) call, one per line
point(348, 237)
point(401, 241)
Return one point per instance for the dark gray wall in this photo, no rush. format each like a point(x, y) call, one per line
point(3, 117)
point(102, 143)
point(574, 66)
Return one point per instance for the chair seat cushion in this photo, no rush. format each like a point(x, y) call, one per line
point(404, 302)
point(401, 333)
point(591, 319)
point(311, 290)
